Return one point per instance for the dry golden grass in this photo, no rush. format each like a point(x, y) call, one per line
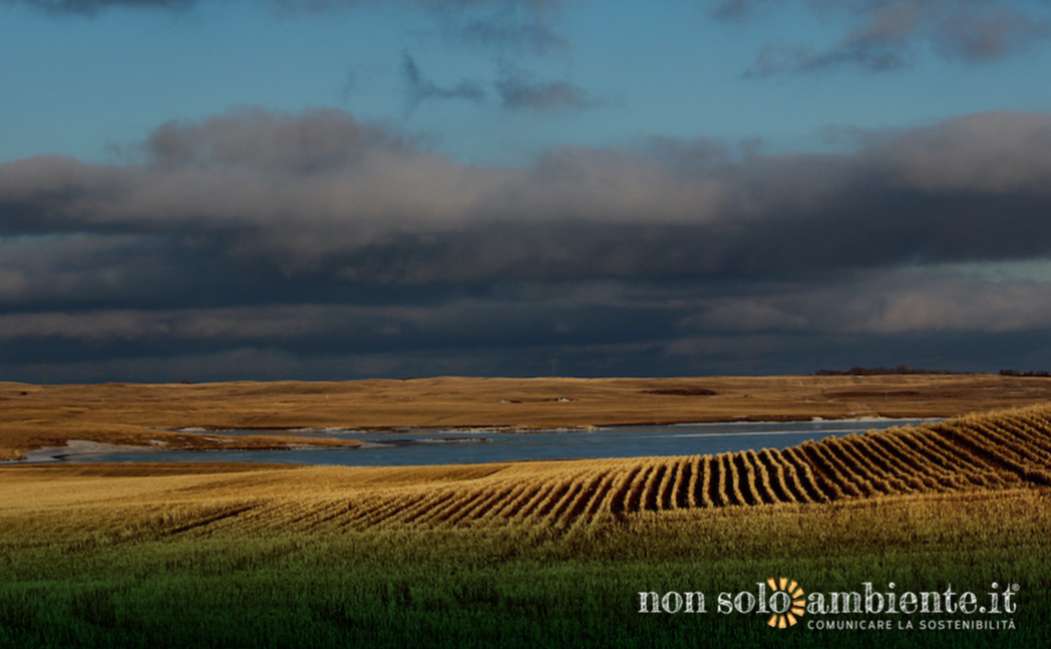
point(33, 416)
point(975, 454)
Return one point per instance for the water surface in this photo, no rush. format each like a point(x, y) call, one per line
point(460, 446)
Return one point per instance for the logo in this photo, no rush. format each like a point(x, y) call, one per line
point(786, 602)
point(781, 603)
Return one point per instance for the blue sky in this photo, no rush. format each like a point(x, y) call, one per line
point(81, 85)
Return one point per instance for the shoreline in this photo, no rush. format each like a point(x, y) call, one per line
point(526, 429)
point(79, 450)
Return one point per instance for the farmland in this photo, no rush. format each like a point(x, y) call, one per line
point(1001, 450)
point(521, 554)
point(34, 416)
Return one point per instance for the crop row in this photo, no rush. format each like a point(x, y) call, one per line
point(1010, 449)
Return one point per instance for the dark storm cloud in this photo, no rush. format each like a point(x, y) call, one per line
point(292, 239)
point(884, 35)
point(322, 193)
point(884, 302)
point(518, 91)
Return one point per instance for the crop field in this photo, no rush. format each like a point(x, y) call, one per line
point(1004, 450)
point(134, 575)
point(982, 452)
point(522, 554)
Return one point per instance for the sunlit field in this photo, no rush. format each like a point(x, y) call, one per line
point(523, 554)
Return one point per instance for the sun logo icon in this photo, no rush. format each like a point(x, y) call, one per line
point(786, 602)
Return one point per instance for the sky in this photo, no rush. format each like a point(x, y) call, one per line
point(323, 189)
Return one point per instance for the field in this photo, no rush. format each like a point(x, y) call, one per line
point(34, 416)
point(525, 554)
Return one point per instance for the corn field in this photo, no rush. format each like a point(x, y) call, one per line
point(1005, 450)
point(975, 452)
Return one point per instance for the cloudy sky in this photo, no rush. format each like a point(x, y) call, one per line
point(205, 189)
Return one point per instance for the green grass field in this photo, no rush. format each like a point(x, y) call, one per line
point(514, 586)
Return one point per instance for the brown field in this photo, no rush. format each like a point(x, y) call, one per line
point(974, 455)
point(35, 416)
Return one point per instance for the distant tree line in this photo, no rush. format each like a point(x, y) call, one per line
point(1024, 373)
point(878, 371)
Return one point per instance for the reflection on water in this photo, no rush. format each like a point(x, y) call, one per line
point(417, 446)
